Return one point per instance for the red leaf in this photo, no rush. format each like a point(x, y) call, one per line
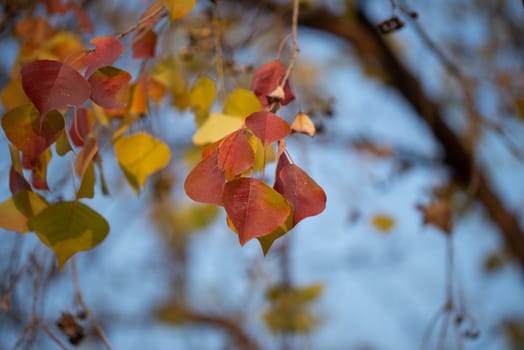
point(304, 194)
point(17, 182)
point(254, 208)
point(205, 182)
point(105, 83)
point(53, 85)
point(80, 127)
point(267, 79)
point(144, 43)
point(235, 154)
point(268, 127)
point(107, 51)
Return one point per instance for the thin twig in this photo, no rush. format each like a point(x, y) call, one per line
point(50, 334)
point(80, 299)
point(219, 53)
point(161, 12)
point(296, 49)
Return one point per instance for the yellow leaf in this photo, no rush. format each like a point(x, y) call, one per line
point(241, 103)
point(15, 211)
point(303, 124)
point(139, 156)
point(383, 222)
point(12, 95)
point(216, 126)
point(179, 8)
point(202, 95)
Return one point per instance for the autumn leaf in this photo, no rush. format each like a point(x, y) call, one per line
point(179, 8)
point(267, 79)
point(254, 208)
point(202, 95)
point(39, 170)
point(107, 50)
point(268, 127)
point(439, 214)
point(140, 155)
point(80, 127)
point(216, 127)
point(68, 228)
point(105, 83)
point(383, 222)
point(53, 85)
point(144, 44)
point(266, 242)
point(15, 211)
point(305, 195)
point(205, 182)
point(236, 153)
point(241, 103)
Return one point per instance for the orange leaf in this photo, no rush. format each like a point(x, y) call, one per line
point(205, 182)
point(235, 154)
point(144, 43)
point(107, 51)
point(303, 124)
point(254, 208)
point(268, 127)
point(105, 83)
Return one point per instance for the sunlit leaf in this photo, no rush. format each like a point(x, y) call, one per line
point(140, 155)
point(241, 103)
point(215, 127)
point(266, 242)
point(205, 182)
point(108, 50)
point(254, 208)
point(68, 228)
point(53, 85)
point(202, 95)
point(235, 153)
point(105, 83)
point(383, 222)
point(267, 126)
point(305, 195)
point(139, 96)
point(15, 211)
point(12, 95)
point(267, 80)
point(303, 124)
point(179, 8)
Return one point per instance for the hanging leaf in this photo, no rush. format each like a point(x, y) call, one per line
point(140, 155)
point(87, 183)
point(62, 145)
point(305, 195)
point(439, 214)
point(15, 211)
point(268, 127)
point(267, 241)
point(303, 124)
point(39, 170)
point(13, 95)
point(17, 181)
point(86, 156)
point(216, 127)
point(266, 82)
point(236, 154)
point(201, 96)
point(205, 183)
point(384, 223)
point(179, 8)
point(80, 127)
point(105, 83)
point(107, 50)
point(139, 96)
point(68, 228)
point(53, 85)
point(144, 43)
point(23, 128)
point(255, 209)
point(241, 103)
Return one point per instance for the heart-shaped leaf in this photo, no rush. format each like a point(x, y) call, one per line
point(53, 85)
point(141, 155)
point(254, 208)
point(241, 103)
point(215, 127)
point(107, 51)
point(236, 153)
point(205, 183)
point(15, 211)
point(68, 228)
point(268, 127)
point(105, 83)
point(267, 80)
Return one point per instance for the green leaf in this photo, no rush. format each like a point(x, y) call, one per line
point(87, 183)
point(139, 156)
point(267, 241)
point(216, 127)
point(15, 211)
point(68, 228)
point(241, 103)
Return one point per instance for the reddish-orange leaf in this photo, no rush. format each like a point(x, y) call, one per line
point(80, 128)
point(254, 208)
point(205, 182)
point(53, 85)
point(304, 194)
point(267, 79)
point(235, 154)
point(17, 181)
point(268, 127)
point(139, 95)
point(144, 43)
point(107, 51)
point(31, 136)
point(105, 83)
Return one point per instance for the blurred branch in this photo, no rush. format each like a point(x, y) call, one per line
point(362, 34)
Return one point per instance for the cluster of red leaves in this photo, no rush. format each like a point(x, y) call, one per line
point(224, 176)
